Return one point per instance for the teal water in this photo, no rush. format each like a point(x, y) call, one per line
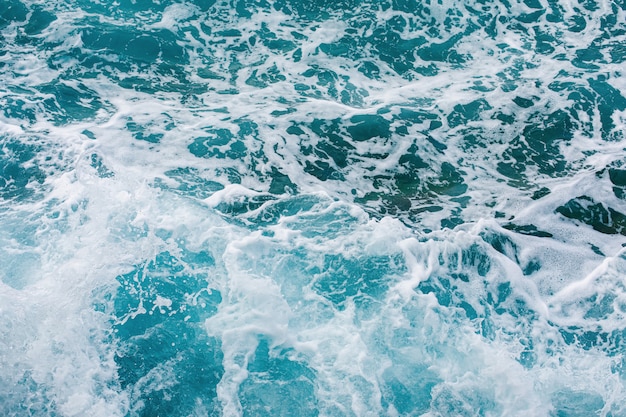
point(290, 208)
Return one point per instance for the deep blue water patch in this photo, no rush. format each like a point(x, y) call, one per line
point(165, 358)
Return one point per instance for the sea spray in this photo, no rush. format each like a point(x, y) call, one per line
point(312, 208)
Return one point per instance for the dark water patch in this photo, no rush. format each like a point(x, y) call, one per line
point(212, 145)
point(328, 146)
point(582, 97)
point(117, 52)
point(326, 158)
point(452, 221)
point(130, 9)
point(617, 53)
point(132, 45)
point(539, 146)
point(333, 145)
point(39, 20)
point(540, 193)
point(310, 11)
point(366, 127)
point(597, 97)
point(436, 144)
point(326, 79)
point(262, 79)
point(274, 43)
point(528, 357)
point(602, 218)
point(613, 343)
point(152, 131)
point(396, 204)
point(464, 113)
point(143, 132)
point(443, 51)
point(281, 183)
point(279, 113)
point(163, 286)
point(618, 179)
point(225, 144)
point(322, 171)
point(415, 186)
point(486, 18)
point(610, 100)
point(407, 177)
point(450, 182)
point(166, 361)
point(446, 294)
point(577, 23)
point(143, 5)
point(543, 138)
point(348, 47)
point(12, 11)
point(70, 103)
point(502, 243)
point(610, 96)
point(387, 43)
point(587, 58)
point(465, 287)
point(527, 229)
point(556, 12)
point(408, 117)
point(523, 102)
point(20, 173)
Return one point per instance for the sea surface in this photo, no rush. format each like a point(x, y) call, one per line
point(312, 208)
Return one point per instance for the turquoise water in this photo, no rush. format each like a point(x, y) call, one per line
point(326, 208)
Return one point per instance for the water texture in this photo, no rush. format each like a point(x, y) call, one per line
point(312, 208)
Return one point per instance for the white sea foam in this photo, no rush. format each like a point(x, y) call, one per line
point(64, 250)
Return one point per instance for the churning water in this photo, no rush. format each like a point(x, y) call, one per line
point(312, 208)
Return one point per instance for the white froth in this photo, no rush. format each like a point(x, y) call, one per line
point(106, 225)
